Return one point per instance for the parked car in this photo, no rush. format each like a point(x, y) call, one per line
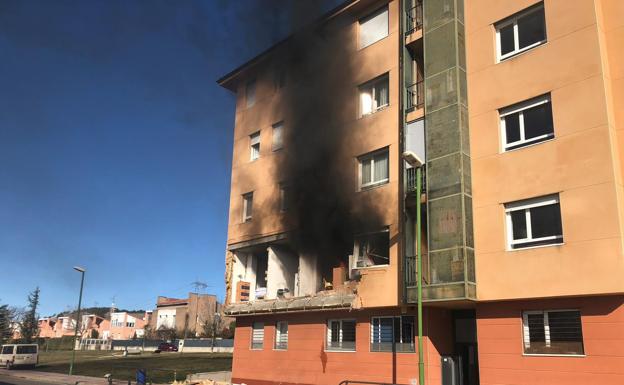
point(19, 355)
point(166, 347)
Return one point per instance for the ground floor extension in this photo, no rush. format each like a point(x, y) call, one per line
point(556, 341)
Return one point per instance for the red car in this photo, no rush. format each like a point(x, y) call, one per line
point(166, 347)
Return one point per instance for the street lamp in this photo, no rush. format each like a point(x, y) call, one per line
point(414, 161)
point(81, 270)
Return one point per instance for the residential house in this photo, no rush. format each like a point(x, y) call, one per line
point(187, 316)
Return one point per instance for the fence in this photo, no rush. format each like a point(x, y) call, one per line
point(187, 345)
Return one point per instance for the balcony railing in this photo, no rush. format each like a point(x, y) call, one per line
point(410, 184)
point(416, 95)
point(414, 18)
point(410, 270)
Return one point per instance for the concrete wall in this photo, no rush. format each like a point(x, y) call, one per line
point(307, 362)
point(501, 359)
point(581, 164)
point(282, 267)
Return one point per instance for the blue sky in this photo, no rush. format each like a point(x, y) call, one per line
point(115, 144)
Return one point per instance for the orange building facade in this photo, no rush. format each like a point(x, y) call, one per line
point(516, 109)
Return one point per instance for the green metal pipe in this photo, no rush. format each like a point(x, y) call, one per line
point(421, 361)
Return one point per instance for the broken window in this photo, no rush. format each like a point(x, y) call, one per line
point(284, 197)
point(281, 335)
point(372, 249)
point(341, 335)
point(257, 335)
point(392, 334)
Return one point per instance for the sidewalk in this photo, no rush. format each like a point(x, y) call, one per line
point(55, 378)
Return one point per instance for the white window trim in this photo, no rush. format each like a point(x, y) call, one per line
point(252, 139)
point(275, 342)
point(524, 205)
point(526, 342)
point(372, 85)
point(371, 157)
point(520, 107)
point(514, 20)
point(251, 340)
point(245, 203)
point(328, 336)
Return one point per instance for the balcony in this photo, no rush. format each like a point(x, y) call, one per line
point(414, 19)
point(416, 96)
point(410, 180)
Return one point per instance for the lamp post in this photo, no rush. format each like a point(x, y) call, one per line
point(417, 163)
point(82, 273)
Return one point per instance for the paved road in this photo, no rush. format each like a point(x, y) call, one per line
point(9, 380)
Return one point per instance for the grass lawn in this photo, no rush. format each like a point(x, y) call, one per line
point(160, 367)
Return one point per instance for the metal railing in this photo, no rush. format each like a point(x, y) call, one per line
point(416, 95)
point(410, 270)
point(414, 18)
point(347, 382)
point(410, 180)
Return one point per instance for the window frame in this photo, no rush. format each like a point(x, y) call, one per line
point(247, 197)
point(513, 20)
point(328, 335)
point(278, 334)
point(526, 343)
point(283, 199)
point(372, 84)
point(371, 157)
point(251, 339)
point(356, 249)
point(279, 125)
point(526, 205)
point(253, 142)
point(520, 108)
point(250, 85)
point(394, 343)
point(370, 16)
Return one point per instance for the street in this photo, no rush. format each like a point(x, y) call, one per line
point(6, 379)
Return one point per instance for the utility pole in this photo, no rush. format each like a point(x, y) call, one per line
point(198, 286)
point(73, 359)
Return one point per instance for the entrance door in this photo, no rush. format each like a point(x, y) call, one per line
point(465, 336)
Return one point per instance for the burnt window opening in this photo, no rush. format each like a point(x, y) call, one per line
point(250, 93)
point(372, 249)
point(374, 95)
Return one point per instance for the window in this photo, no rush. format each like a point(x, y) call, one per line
point(341, 335)
point(552, 332)
point(534, 222)
point(374, 27)
point(372, 249)
point(521, 32)
point(130, 324)
point(7, 350)
point(281, 335)
point(257, 335)
point(373, 169)
point(526, 123)
point(388, 333)
point(374, 95)
point(254, 146)
point(278, 129)
point(279, 77)
point(27, 349)
point(284, 197)
point(247, 206)
point(250, 93)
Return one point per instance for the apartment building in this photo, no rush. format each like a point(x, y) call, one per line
point(187, 316)
point(125, 326)
point(516, 110)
